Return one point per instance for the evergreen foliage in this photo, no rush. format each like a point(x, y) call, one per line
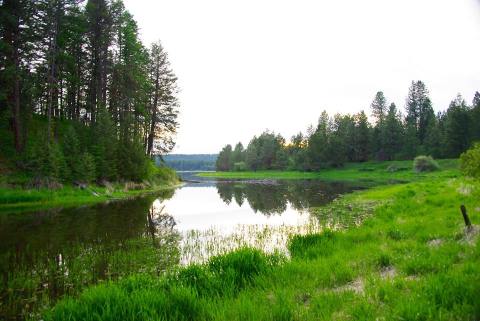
point(81, 65)
point(353, 138)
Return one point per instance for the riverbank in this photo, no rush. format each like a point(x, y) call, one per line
point(17, 199)
point(376, 172)
point(411, 259)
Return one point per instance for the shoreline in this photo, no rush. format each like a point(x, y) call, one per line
point(411, 253)
point(29, 200)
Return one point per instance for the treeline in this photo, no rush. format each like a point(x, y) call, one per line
point(391, 135)
point(190, 162)
point(81, 98)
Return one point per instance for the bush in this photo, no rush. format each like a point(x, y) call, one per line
point(470, 161)
point(425, 164)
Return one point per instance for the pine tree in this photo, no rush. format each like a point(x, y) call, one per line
point(433, 139)
point(317, 144)
point(71, 150)
point(392, 135)
point(419, 111)
point(104, 146)
point(379, 108)
point(163, 104)
point(224, 159)
point(238, 154)
point(362, 146)
point(252, 155)
point(475, 119)
point(18, 32)
point(457, 127)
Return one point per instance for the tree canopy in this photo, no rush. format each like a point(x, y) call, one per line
point(354, 138)
point(78, 84)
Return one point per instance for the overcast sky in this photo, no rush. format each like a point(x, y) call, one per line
point(249, 65)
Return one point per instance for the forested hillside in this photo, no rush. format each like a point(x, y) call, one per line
point(81, 98)
point(190, 162)
point(390, 135)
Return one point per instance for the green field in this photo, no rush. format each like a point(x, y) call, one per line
point(411, 259)
point(380, 172)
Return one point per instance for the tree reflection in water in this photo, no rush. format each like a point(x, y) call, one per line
point(273, 197)
point(46, 255)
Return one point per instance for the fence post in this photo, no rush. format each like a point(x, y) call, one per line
point(468, 224)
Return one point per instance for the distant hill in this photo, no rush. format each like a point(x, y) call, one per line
point(190, 162)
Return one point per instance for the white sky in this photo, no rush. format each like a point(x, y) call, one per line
point(248, 65)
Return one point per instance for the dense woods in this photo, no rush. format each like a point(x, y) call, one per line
point(81, 98)
point(388, 135)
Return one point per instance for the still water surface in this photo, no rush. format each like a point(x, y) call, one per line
point(45, 255)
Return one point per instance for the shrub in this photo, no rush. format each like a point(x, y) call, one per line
point(470, 161)
point(425, 164)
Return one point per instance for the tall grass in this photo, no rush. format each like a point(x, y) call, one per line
point(185, 295)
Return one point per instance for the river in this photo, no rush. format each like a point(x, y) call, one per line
point(45, 255)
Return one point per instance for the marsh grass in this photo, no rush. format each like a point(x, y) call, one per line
point(199, 246)
point(331, 275)
point(35, 281)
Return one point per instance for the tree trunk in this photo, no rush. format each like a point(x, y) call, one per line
point(151, 135)
point(11, 36)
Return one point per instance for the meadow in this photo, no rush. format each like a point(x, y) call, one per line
point(374, 172)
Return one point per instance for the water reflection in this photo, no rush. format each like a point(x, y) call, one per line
point(49, 254)
point(46, 255)
point(273, 197)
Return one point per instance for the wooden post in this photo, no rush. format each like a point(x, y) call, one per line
point(465, 216)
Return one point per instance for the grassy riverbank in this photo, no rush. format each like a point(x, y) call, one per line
point(378, 172)
point(17, 199)
point(411, 259)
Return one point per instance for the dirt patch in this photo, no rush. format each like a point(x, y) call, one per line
point(388, 273)
point(412, 278)
point(465, 189)
point(435, 242)
point(470, 234)
point(357, 286)
point(304, 298)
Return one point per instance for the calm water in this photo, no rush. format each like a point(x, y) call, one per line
point(45, 255)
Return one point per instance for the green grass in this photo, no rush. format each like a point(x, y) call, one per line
point(17, 199)
point(377, 172)
point(410, 260)
point(21, 200)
